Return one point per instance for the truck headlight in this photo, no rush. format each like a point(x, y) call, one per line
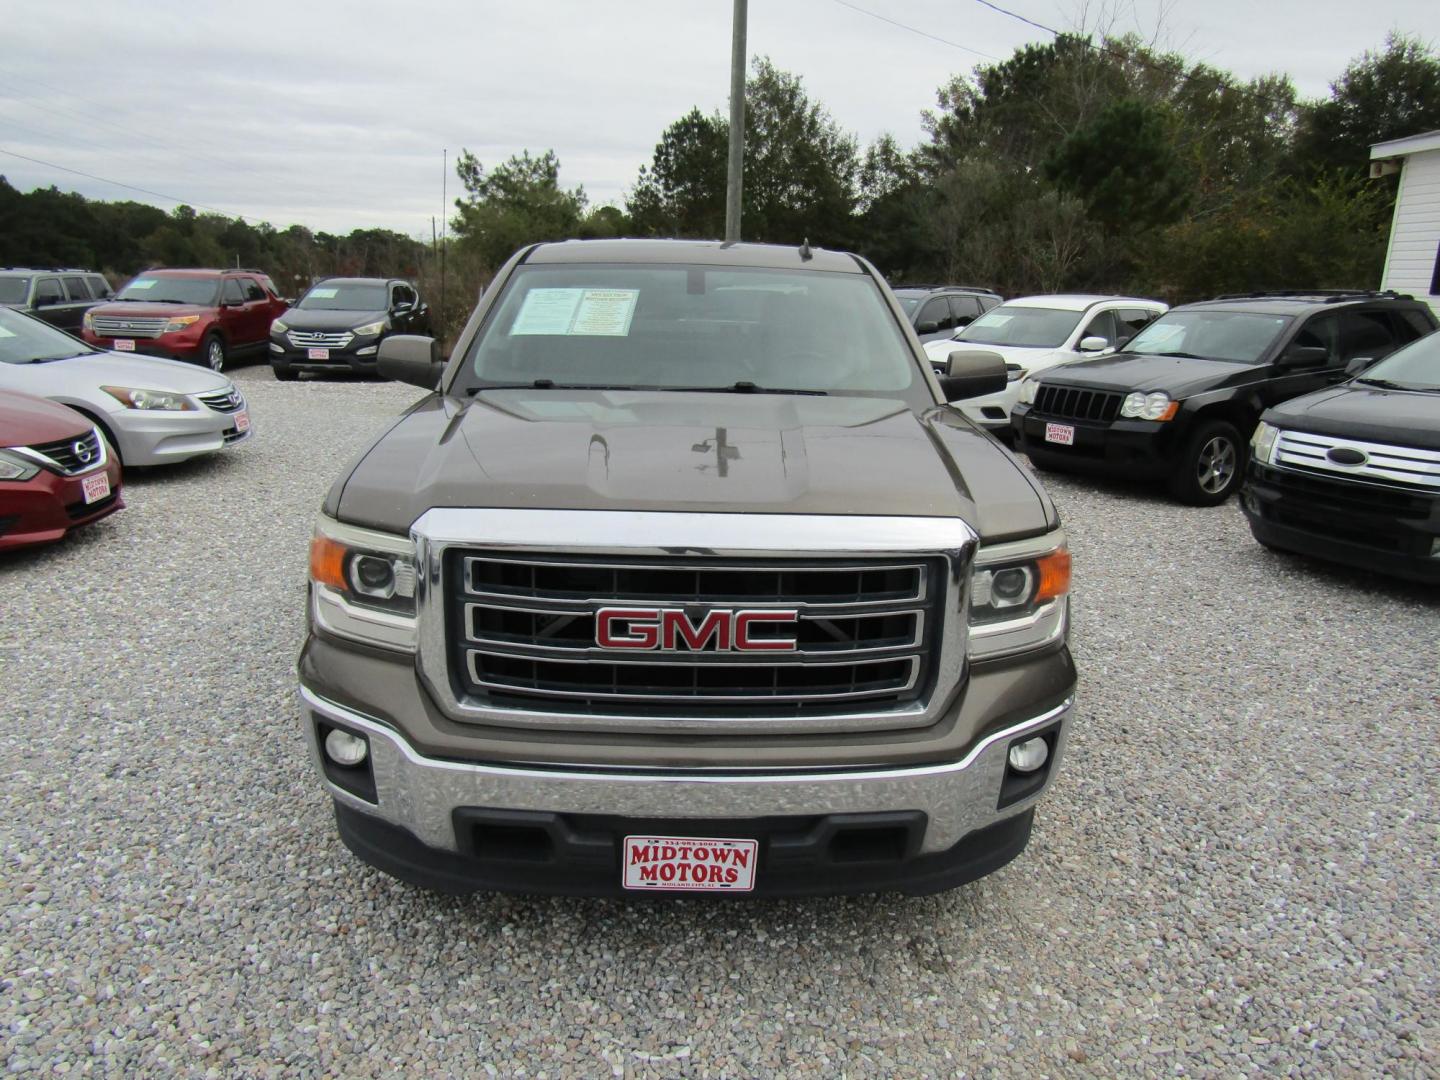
point(133, 397)
point(1262, 443)
point(369, 329)
point(1156, 406)
point(1027, 391)
point(88, 321)
point(1019, 596)
point(363, 584)
point(180, 322)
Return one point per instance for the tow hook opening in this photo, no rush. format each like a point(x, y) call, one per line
point(1028, 761)
point(345, 759)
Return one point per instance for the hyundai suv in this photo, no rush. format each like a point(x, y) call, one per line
point(340, 322)
point(204, 316)
point(1180, 400)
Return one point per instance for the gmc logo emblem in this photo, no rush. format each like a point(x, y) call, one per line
point(671, 630)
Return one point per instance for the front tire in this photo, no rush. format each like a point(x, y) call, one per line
point(214, 353)
point(284, 372)
point(1210, 466)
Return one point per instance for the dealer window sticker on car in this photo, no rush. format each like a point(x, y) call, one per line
point(143, 283)
point(576, 312)
point(324, 294)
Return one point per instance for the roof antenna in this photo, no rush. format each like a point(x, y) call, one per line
point(805, 253)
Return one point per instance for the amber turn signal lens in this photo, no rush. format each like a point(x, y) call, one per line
point(327, 561)
point(1170, 411)
point(1054, 572)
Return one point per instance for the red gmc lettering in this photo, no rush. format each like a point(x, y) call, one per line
point(745, 619)
point(716, 625)
point(672, 630)
point(643, 632)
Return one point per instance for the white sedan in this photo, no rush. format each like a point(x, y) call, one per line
point(1033, 333)
point(150, 410)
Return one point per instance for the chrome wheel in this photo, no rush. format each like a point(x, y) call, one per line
point(1215, 467)
point(215, 355)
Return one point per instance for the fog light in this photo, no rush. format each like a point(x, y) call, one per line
point(1028, 756)
point(350, 750)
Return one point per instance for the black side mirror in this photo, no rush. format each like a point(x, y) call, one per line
point(410, 358)
point(974, 374)
point(1304, 356)
point(401, 307)
point(929, 326)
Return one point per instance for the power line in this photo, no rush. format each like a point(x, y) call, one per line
point(914, 30)
point(117, 183)
point(1184, 76)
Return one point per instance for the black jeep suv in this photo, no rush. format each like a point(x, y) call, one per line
point(937, 311)
point(1180, 401)
point(339, 323)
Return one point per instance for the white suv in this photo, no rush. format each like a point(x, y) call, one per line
point(1034, 333)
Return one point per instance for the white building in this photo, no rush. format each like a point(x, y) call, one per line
point(1412, 261)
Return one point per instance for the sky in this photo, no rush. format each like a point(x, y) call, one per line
point(337, 114)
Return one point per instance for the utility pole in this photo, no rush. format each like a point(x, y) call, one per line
point(444, 217)
point(737, 124)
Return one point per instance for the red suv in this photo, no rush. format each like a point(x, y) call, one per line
point(204, 316)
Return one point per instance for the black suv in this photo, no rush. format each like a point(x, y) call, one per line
point(339, 323)
point(59, 296)
point(1352, 473)
point(1180, 401)
point(937, 311)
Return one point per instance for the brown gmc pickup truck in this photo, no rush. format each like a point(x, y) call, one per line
point(684, 578)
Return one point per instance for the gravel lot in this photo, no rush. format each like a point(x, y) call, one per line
point(1236, 872)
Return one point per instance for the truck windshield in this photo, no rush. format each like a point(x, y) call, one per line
point(171, 290)
point(1024, 327)
point(1415, 367)
point(344, 298)
point(693, 328)
point(1238, 336)
point(13, 290)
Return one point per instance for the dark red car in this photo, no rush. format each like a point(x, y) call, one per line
point(56, 471)
point(204, 316)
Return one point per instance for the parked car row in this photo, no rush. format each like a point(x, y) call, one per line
point(71, 415)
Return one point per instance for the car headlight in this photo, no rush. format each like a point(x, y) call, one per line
point(1027, 391)
point(1156, 406)
point(363, 584)
point(1262, 443)
point(88, 321)
point(278, 327)
point(150, 400)
point(1014, 373)
point(15, 467)
point(369, 329)
point(180, 322)
point(1019, 596)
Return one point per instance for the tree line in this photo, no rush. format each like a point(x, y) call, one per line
point(1087, 163)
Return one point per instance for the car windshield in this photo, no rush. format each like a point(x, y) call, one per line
point(24, 340)
point(13, 289)
point(908, 303)
point(344, 298)
point(1025, 327)
point(1238, 336)
point(678, 327)
point(1415, 367)
point(171, 290)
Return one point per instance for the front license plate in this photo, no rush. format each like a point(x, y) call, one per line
point(317, 354)
point(242, 421)
point(689, 863)
point(1064, 434)
point(95, 487)
point(124, 345)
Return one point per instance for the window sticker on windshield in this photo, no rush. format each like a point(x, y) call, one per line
point(324, 294)
point(6, 333)
point(579, 312)
point(143, 283)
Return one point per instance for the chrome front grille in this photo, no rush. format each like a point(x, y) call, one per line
point(526, 628)
point(225, 401)
point(306, 339)
point(1074, 403)
point(1386, 464)
point(71, 456)
point(119, 326)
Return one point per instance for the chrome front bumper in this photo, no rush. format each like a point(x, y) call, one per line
point(420, 794)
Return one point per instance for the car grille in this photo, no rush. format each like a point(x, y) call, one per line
point(523, 632)
point(1386, 464)
point(305, 339)
point(1073, 403)
point(74, 455)
point(121, 327)
point(226, 401)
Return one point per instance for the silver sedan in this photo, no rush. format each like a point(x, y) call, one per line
point(151, 410)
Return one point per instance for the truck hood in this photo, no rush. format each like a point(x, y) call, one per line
point(1367, 413)
point(607, 450)
point(297, 319)
point(146, 309)
point(1029, 359)
point(1178, 376)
